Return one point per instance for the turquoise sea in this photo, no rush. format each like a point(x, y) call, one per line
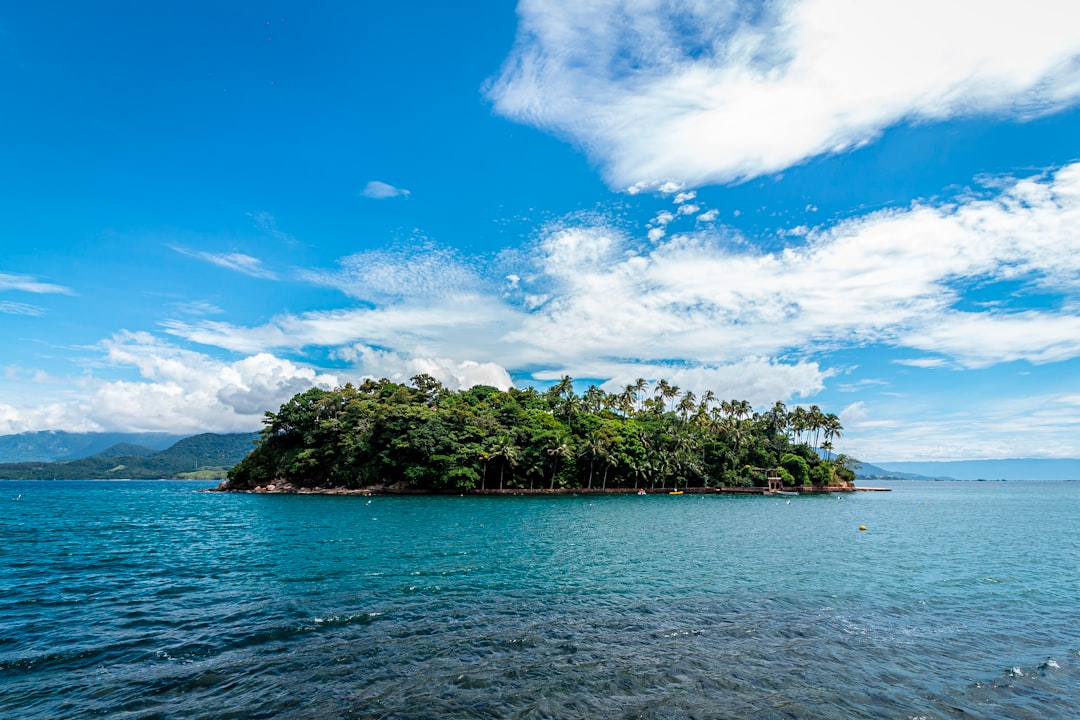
point(153, 600)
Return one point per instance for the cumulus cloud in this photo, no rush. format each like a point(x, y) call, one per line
point(175, 390)
point(664, 95)
point(400, 367)
point(378, 190)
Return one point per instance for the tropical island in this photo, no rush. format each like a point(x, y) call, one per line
point(383, 436)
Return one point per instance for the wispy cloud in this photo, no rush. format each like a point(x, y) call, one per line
point(994, 427)
point(267, 223)
point(18, 308)
point(30, 284)
point(378, 190)
point(690, 93)
point(197, 307)
point(239, 262)
point(423, 271)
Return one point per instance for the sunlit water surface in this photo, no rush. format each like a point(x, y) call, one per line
point(152, 600)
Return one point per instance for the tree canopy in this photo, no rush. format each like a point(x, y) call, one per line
point(426, 438)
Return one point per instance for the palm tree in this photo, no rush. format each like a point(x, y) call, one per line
point(560, 446)
point(593, 399)
point(832, 429)
point(641, 385)
point(596, 447)
point(798, 423)
point(565, 386)
point(687, 405)
point(508, 452)
point(777, 417)
point(742, 408)
point(666, 391)
point(816, 421)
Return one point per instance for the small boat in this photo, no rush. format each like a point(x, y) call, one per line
point(785, 492)
point(675, 492)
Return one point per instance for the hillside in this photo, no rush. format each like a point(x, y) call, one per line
point(209, 454)
point(50, 445)
point(125, 450)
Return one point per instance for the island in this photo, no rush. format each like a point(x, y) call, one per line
point(387, 437)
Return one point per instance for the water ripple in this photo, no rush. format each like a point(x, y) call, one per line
point(148, 600)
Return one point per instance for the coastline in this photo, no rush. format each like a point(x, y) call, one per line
point(387, 490)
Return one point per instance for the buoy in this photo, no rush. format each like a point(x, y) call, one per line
point(862, 527)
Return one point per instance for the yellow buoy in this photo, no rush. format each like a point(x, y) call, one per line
point(862, 527)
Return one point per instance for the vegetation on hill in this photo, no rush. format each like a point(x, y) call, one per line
point(125, 450)
point(203, 456)
point(426, 438)
point(51, 445)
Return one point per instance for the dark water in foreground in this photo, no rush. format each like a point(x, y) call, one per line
point(150, 600)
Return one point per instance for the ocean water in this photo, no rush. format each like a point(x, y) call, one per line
point(153, 600)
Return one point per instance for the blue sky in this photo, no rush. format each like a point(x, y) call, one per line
point(874, 208)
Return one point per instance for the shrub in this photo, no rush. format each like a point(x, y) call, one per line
point(797, 467)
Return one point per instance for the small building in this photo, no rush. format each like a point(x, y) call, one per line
point(773, 479)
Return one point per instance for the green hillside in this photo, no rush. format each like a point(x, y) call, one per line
point(204, 456)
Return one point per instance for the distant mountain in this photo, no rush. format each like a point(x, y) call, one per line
point(50, 445)
point(125, 450)
point(1009, 469)
point(875, 472)
point(208, 454)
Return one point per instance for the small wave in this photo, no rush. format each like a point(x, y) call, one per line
point(347, 619)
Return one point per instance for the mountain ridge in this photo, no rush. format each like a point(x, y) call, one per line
point(208, 455)
point(995, 469)
point(52, 445)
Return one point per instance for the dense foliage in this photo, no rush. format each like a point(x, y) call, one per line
point(426, 438)
point(206, 455)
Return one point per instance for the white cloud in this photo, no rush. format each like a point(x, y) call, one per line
point(399, 367)
point(422, 272)
point(709, 313)
point(703, 310)
point(666, 94)
point(176, 391)
point(182, 389)
point(378, 190)
point(1049, 426)
point(930, 362)
point(708, 215)
point(18, 308)
point(27, 283)
point(239, 262)
point(197, 307)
